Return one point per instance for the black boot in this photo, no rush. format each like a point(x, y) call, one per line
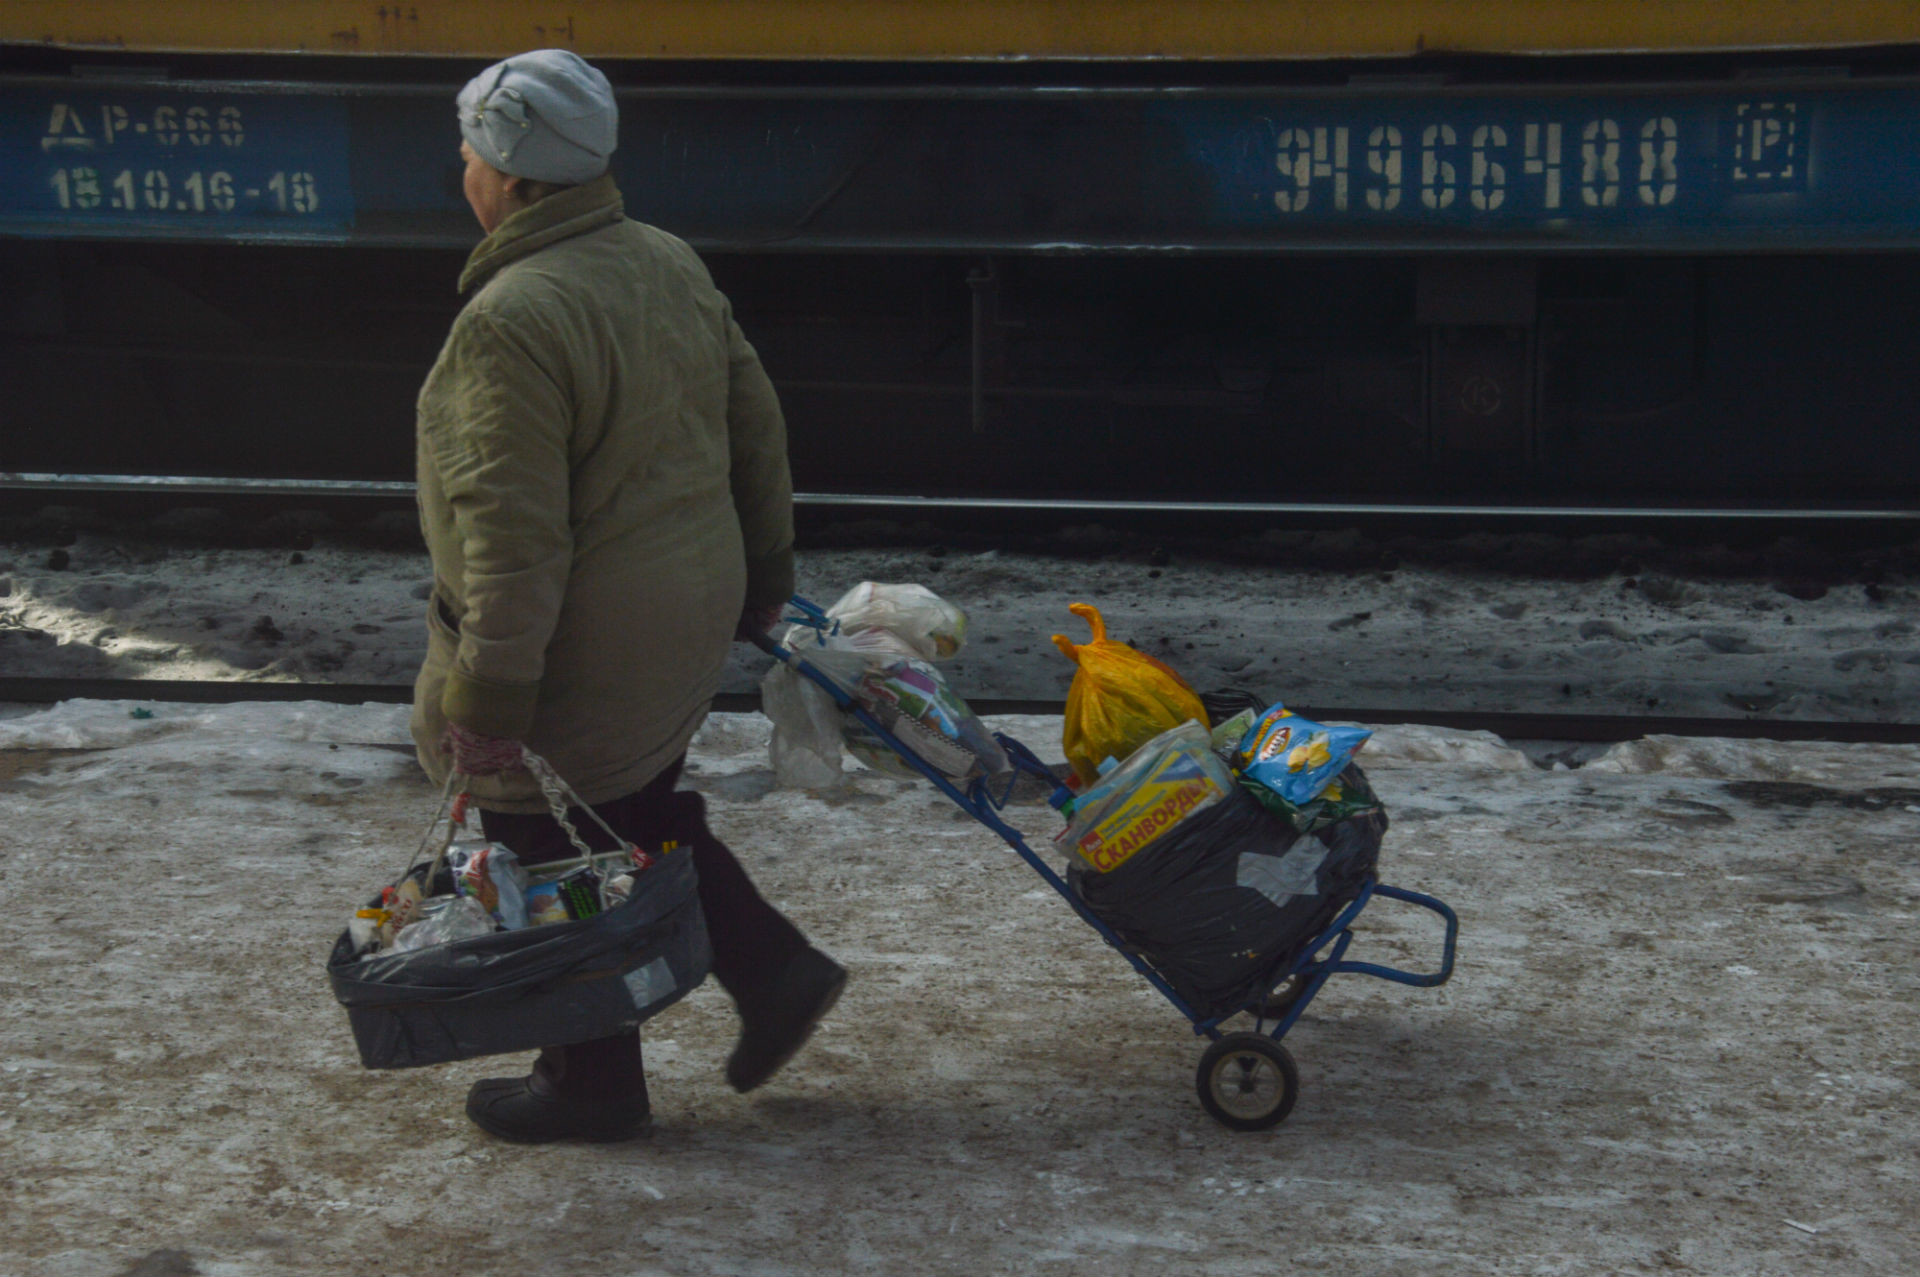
point(778, 1017)
point(592, 1091)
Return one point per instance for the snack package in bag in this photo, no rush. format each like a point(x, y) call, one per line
point(492, 874)
point(1295, 757)
point(900, 620)
point(1167, 780)
point(1120, 699)
point(910, 699)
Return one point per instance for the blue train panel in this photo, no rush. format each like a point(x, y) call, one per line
point(1766, 167)
point(1717, 167)
point(175, 165)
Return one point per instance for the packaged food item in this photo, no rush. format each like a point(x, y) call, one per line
point(365, 928)
point(544, 905)
point(1296, 757)
point(910, 699)
point(580, 892)
point(491, 874)
point(1119, 700)
point(903, 620)
point(1116, 778)
point(444, 919)
point(1227, 735)
point(402, 902)
point(566, 891)
point(1170, 778)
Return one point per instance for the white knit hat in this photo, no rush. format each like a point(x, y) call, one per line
point(545, 115)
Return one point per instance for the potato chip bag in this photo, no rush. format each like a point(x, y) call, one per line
point(1120, 699)
point(1296, 757)
point(910, 699)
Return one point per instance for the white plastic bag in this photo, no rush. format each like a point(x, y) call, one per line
point(900, 620)
point(806, 745)
point(459, 918)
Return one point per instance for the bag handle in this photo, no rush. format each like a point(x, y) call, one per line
point(454, 820)
point(452, 808)
point(1091, 614)
point(560, 796)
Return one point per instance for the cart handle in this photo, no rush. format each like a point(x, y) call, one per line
point(786, 655)
point(1426, 981)
point(1316, 971)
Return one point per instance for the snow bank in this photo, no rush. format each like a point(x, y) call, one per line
point(1038, 732)
point(732, 735)
point(1809, 762)
point(1419, 744)
point(114, 724)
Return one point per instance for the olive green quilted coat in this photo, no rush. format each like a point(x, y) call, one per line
point(603, 486)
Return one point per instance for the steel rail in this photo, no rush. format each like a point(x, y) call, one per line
point(1333, 244)
point(202, 485)
point(1508, 725)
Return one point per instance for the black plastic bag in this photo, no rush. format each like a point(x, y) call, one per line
point(529, 988)
point(1223, 904)
point(1223, 704)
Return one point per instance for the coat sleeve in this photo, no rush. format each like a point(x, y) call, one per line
point(762, 484)
point(496, 431)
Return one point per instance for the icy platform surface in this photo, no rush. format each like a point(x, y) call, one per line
point(1681, 1037)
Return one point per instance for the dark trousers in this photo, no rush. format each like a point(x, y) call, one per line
point(751, 939)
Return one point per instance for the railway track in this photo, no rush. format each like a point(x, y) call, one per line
point(1510, 726)
point(323, 491)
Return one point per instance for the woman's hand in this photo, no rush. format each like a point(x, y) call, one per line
point(477, 754)
point(755, 621)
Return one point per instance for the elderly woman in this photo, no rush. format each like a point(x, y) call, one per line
point(605, 495)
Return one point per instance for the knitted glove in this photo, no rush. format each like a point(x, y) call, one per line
point(475, 754)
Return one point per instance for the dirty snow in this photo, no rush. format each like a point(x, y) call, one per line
point(1421, 636)
point(1681, 1036)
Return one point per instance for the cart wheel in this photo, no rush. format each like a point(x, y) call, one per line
point(1248, 1082)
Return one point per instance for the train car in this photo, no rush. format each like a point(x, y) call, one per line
point(1414, 253)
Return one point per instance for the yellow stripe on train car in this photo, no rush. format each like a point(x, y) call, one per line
point(958, 29)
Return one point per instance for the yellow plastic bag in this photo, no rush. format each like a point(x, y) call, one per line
point(1120, 699)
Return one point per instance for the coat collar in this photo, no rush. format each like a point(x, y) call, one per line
point(574, 211)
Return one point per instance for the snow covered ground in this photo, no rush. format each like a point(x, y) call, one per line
point(1681, 1036)
point(1578, 630)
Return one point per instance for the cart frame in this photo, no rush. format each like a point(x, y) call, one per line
point(1246, 1065)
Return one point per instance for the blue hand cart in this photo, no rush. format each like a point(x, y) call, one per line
point(1247, 1080)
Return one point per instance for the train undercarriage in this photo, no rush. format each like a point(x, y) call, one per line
point(1683, 283)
